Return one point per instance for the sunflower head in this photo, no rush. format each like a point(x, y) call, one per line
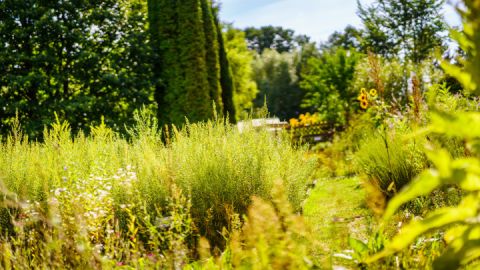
point(363, 91)
point(373, 92)
point(364, 104)
point(362, 97)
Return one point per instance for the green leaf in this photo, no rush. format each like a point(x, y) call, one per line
point(358, 246)
point(466, 173)
point(461, 124)
point(441, 159)
point(423, 184)
point(437, 219)
point(461, 251)
point(464, 78)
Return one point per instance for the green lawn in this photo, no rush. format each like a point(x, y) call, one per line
point(334, 210)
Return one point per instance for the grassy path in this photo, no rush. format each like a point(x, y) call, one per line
point(336, 209)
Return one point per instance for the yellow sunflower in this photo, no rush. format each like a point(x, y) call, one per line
point(373, 92)
point(363, 91)
point(364, 104)
point(362, 97)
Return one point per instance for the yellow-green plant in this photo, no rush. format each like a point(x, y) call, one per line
point(461, 222)
point(463, 234)
point(389, 159)
point(469, 42)
point(272, 237)
point(108, 200)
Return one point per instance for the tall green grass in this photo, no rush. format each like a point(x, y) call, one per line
point(390, 159)
point(124, 199)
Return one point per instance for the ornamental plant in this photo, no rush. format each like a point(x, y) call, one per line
point(461, 223)
point(305, 120)
point(367, 98)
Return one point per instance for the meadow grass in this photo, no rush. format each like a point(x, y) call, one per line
point(143, 200)
point(335, 211)
point(390, 159)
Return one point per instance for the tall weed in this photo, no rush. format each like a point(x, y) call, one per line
point(91, 189)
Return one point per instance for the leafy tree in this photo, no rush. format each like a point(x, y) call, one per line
point(327, 82)
point(412, 28)
point(212, 53)
point(274, 37)
point(180, 41)
point(276, 77)
point(240, 59)
point(349, 38)
point(69, 57)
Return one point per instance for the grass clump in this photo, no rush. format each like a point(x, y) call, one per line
point(273, 236)
point(390, 159)
point(222, 169)
point(113, 201)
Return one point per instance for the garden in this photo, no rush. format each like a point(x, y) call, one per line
point(393, 181)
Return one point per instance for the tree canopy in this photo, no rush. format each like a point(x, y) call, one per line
point(75, 59)
point(411, 28)
point(274, 37)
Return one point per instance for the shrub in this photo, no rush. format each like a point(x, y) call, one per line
point(222, 169)
point(461, 222)
point(272, 237)
point(390, 159)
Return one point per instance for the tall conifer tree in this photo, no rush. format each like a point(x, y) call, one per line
point(212, 54)
point(193, 99)
point(226, 75)
point(187, 66)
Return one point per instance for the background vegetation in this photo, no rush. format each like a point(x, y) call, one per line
point(121, 149)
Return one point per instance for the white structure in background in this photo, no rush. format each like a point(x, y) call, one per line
point(273, 125)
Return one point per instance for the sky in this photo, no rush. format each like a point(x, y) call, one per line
point(315, 18)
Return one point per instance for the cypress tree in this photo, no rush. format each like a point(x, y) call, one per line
point(193, 99)
point(226, 77)
point(164, 31)
point(212, 54)
point(184, 87)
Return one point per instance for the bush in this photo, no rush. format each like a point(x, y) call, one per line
point(390, 159)
point(272, 237)
point(222, 169)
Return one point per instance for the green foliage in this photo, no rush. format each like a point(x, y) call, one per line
point(350, 38)
point(272, 237)
point(277, 80)
point(72, 58)
point(469, 42)
point(390, 159)
point(240, 60)
point(187, 66)
point(461, 221)
point(80, 229)
point(192, 98)
point(394, 77)
point(219, 168)
point(227, 175)
point(274, 38)
point(463, 172)
point(327, 82)
point(212, 53)
point(226, 75)
point(412, 29)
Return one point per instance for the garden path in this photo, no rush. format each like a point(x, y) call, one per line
point(336, 210)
